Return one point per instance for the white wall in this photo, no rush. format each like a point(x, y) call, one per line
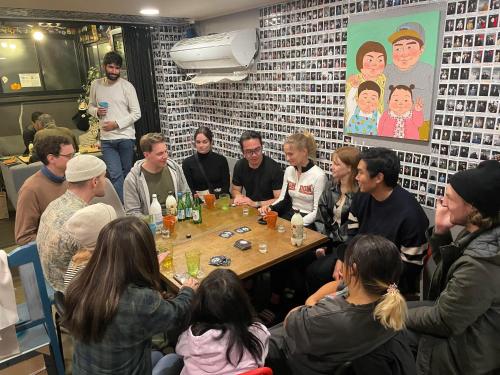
point(237, 21)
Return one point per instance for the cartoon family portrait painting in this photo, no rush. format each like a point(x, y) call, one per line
point(390, 75)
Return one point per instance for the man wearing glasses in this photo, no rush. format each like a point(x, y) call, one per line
point(49, 128)
point(260, 175)
point(43, 187)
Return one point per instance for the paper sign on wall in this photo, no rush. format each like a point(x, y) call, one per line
point(30, 80)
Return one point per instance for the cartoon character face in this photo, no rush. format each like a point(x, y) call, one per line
point(368, 101)
point(400, 101)
point(373, 65)
point(405, 53)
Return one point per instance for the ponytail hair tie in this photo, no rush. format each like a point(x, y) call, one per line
point(392, 289)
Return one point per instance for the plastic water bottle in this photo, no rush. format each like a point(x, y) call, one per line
point(171, 204)
point(297, 229)
point(155, 210)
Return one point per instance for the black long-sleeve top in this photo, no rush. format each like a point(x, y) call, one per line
point(216, 171)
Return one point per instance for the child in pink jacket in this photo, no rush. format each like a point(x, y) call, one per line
point(224, 338)
point(400, 121)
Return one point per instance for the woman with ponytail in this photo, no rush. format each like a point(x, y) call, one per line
point(367, 312)
point(303, 182)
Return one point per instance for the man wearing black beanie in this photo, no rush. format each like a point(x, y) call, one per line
point(459, 331)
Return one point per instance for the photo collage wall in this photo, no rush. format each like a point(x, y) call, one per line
point(299, 84)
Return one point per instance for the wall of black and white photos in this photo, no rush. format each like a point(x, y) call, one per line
point(299, 84)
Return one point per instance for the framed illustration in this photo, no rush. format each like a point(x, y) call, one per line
point(391, 65)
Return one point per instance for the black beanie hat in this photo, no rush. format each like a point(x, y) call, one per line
point(480, 187)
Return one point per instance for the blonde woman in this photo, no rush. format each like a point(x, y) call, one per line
point(349, 321)
point(303, 181)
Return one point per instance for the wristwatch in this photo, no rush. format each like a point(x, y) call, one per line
point(258, 204)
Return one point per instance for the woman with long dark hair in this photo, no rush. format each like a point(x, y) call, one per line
point(224, 336)
point(367, 311)
point(114, 305)
point(206, 170)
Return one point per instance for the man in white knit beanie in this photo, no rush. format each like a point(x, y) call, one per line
point(86, 179)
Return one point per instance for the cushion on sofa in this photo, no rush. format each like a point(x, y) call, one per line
point(11, 145)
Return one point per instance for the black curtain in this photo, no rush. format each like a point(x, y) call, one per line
point(140, 70)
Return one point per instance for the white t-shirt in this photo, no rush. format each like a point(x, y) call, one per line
point(304, 191)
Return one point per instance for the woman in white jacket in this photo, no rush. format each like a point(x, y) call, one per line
point(303, 182)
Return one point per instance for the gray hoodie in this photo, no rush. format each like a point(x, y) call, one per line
point(136, 194)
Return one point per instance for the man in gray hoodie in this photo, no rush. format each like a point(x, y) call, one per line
point(155, 174)
point(459, 332)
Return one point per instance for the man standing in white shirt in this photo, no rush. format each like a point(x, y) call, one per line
point(114, 101)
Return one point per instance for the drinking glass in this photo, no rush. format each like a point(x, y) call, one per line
point(224, 200)
point(193, 262)
point(271, 217)
point(169, 223)
point(166, 252)
point(210, 200)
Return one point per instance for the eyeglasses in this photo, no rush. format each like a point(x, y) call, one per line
point(68, 156)
point(255, 151)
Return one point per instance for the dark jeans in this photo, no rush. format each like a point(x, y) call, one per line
point(118, 155)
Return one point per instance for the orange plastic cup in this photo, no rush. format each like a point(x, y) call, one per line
point(209, 200)
point(271, 217)
point(169, 223)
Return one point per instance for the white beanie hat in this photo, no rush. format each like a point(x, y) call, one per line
point(84, 167)
point(86, 223)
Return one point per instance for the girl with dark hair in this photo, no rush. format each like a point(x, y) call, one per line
point(366, 312)
point(224, 336)
point(206, 170)
point(402, 119)
point(114, 305)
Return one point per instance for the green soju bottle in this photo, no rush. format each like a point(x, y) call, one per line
point(188, 205)
point(181, 214)
point(196, 210)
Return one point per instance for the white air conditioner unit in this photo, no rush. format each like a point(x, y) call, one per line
point(224, 53)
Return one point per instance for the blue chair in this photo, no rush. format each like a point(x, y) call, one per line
point(35, 328)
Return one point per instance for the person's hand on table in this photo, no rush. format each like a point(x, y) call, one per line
point(337, 271)
point(191, 283)
point(241, 200)
point(109, 125)
point(264, 210)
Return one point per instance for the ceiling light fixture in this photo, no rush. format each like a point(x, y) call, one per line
point(38, 35)
point(149, 12)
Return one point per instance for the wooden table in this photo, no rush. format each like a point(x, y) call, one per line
point(205, 237)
